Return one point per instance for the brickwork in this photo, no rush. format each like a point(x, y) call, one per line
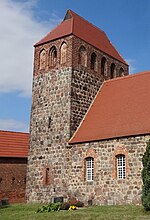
point(61, 95)
point(106, 188)
point(13, 179)
point(86, 82)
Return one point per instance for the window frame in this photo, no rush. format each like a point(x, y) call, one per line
point(89, 166)
point(121, 166)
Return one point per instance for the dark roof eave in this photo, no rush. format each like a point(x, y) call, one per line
point(107, 138)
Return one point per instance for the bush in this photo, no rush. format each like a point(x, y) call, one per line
point(79, 204)
point(51, 207)
point(74, 202)
point(146, 178)
point(65, 206)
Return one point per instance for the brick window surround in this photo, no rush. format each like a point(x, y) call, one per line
point(120, 150)
point(83, 56)
point(42, 64)
point(63, 53)
point(90, 153)
point(47, 175)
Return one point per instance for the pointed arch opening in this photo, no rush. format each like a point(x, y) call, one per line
point(112, 71)
point(63, 53)
point(93, 61)
point(42, 64)
point(83, 56)
point(121, 72)
point(53, 56)
point(103, 66)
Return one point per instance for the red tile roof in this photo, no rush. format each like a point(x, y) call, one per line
point(76, 25)
point(14, 144)
point(121, 108)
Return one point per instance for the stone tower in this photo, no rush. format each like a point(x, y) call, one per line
point(70, 65)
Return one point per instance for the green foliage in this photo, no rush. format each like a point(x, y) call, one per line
point(116, 212)
point(65, 206)
point(76, 203)
point(146, 178)
point(51, 207)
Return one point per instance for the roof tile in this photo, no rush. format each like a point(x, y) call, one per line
point(78, 26)
point(121, 108)
point(13, 144)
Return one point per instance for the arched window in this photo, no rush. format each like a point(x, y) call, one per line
point(112, 71)
point(93, 62)
point(121, 72)
point(121, 166)
point(103, 65)
point(82, 56)
point(89, 166)
point(63, 53)
point(52, 56)
point(42, 59)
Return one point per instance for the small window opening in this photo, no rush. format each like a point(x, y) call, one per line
point(121, 166)
point(94, 62)
point(13, 179)
point(112, 71)
point(89, 169)
point(49, 122)
point(121, 72)
point(47, 178)
point(63, 53)
point(42, 59)
point(82, 56)
point(53, 56)
point(103, 63)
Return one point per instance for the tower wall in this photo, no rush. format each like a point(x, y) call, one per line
point(61, 96)
point(85, 82)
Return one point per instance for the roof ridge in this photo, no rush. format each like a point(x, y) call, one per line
point(20, 132)
point(99, 29)
point(127, 76)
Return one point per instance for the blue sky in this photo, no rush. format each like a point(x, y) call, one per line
point(24, 22)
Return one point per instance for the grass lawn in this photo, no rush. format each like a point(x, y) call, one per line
point(28, 212)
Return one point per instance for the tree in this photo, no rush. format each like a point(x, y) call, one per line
point(146, 178)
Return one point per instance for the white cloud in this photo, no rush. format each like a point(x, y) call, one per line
point(19, 31)
point(131, 63)
point(13, 125)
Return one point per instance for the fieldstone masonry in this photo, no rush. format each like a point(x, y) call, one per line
point(61, 97)
point(106, 188)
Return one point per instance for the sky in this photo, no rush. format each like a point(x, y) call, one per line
point(25, 22)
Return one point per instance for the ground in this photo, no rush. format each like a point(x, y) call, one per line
point(28, 212)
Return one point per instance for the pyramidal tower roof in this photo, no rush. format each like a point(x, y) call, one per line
point(79, 27)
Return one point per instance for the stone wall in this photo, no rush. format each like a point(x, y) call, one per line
point(106, 188)
point(61, 95)
point(50, 132)
point(13, 179)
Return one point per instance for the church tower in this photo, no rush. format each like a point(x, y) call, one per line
point(70, 65)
